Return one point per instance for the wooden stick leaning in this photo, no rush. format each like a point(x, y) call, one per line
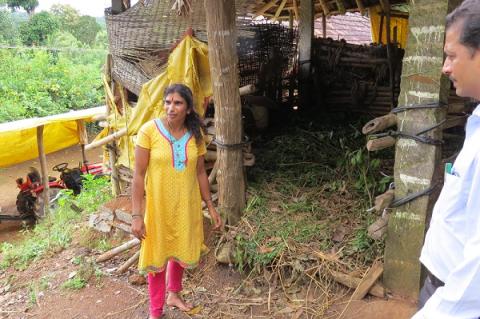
point(123, 268)
point(117, 250)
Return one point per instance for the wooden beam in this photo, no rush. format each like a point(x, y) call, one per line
point(265, 8)
point(361, 7)
point(222, 39)
point(279, 10)
point(325, 8)
point(43, 169)
point(341, 6)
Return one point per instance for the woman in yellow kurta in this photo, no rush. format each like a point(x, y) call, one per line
point(169, 167)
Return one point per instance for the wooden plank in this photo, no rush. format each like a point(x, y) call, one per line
point(368, 281)
point(222, 39)
point(377, 289)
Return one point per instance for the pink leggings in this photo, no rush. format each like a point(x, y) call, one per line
point(156, 286)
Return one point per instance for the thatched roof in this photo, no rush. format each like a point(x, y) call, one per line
point(281, 9)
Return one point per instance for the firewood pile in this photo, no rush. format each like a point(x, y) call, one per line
point(355, 77)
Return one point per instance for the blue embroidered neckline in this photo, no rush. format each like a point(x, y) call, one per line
point(178, 146)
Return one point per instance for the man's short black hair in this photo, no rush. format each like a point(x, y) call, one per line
point(467, 13)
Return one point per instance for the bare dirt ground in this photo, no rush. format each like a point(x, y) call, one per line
point(219, 290)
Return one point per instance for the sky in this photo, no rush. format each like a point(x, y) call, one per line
point(94, 8)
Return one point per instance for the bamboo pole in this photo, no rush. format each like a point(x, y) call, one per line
point(110, 138)
point(361, 7)
point(43, 168)
point(265, 8)
point(117, 250)
point(222, 37)
point(324, 5)
point(279, 10)
point(295, 10)
point(123, 268)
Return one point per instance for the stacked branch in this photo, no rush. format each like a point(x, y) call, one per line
point(355, 77)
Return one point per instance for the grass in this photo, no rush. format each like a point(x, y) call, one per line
point(311, 186)
point(56, 231)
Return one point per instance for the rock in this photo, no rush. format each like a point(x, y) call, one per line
point(137, 280)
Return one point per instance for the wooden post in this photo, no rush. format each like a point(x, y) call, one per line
point(417, 164)
point(324, 25)
point(305, 52)
point(222, 37)
point(43, 169)
point(83, 138)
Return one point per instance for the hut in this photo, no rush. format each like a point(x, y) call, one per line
point(406, 87)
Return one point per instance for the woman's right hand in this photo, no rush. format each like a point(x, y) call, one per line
point(138, 227)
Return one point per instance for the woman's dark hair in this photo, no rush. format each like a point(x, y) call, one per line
point(193, 122)
point(467, 13)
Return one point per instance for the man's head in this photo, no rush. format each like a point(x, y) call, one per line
point(462, 49)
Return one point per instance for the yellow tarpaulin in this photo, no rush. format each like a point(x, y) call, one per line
point(18, 139)
point(398, 23)
point(187, 64)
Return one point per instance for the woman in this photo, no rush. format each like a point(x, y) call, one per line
point(170, 154)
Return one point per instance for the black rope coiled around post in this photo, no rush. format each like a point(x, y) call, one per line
point(231, 146)
point(413, 196)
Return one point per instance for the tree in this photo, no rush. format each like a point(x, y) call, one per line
point(66, 15)
point(38, 28)
point(27, 5)
point(86, 29)
point(8, 31)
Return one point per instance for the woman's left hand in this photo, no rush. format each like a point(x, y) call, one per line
point(217, 220)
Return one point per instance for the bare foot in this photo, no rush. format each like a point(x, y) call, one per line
point(174, 300)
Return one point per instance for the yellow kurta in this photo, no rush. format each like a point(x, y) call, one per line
point(173, 214)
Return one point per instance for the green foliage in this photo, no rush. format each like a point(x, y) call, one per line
point(27, 5)
point(9, 34)
point(86, 29)
point(74, 283)
point(55, 232)
point(87, 269)
point(36, 30)
point(66, 15)
point(40, 83)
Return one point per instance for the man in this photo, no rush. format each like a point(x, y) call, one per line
point(451, 252)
